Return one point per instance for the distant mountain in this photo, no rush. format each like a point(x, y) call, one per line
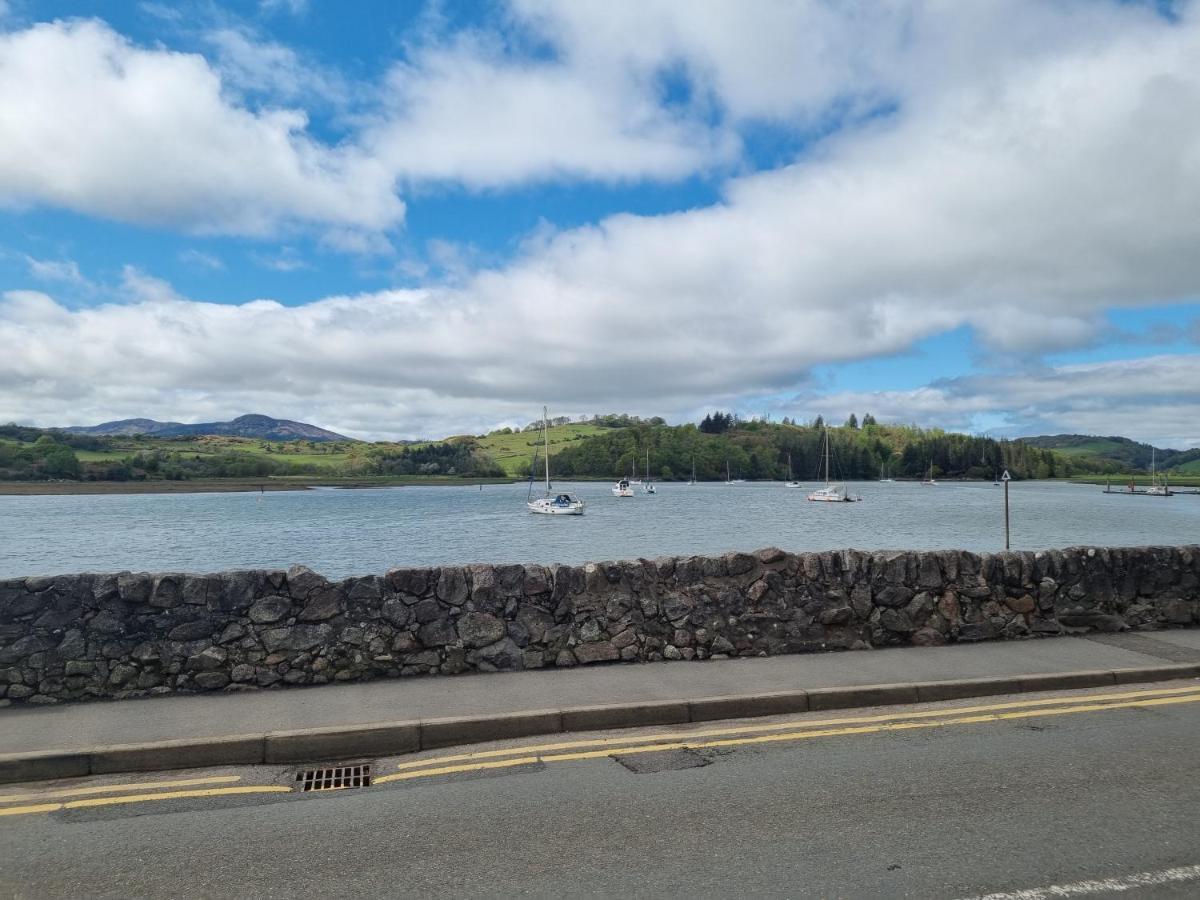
point(1121, 450)
point(250, 426)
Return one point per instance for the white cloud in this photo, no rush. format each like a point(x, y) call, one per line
point(92, 123)
point(1154, 399)
point(270, 68)
point(1022, 198)
point(201, 260)
point(468, 113)
point(287, 259)
point(64, 270)
point(295, 7)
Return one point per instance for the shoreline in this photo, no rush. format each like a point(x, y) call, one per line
point(304, 483)
point(227, 486)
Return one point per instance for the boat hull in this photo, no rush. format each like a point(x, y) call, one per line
point(549, 508)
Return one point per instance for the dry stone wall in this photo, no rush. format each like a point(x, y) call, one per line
point(78, 637)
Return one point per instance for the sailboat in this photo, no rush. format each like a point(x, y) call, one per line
point(647, 487)
point(552, 504)
point(728, 479)
point(693, 481)
point(791, 482)
point(928, 480)
point(831, 493)
point(883, 477)
point(622, 488)
point(1157, 488)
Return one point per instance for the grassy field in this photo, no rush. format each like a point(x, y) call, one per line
point(299, 452)
point(1190, 469)
point(514, 452)
point(1098, 447)
point(1118, 481)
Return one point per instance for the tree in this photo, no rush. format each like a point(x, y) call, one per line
point(852, 422)
point(868, 420)
point(717, 423)
point(819, 422)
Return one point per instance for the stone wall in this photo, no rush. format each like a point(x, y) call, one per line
point(76, 637)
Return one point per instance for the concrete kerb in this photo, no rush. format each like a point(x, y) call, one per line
point(43, 766)
point(438, 733)
point(346, 742)
point(238, 750)
point(340, 742)
point(1156, 673)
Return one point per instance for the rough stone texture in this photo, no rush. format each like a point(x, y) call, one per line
point(79, 637)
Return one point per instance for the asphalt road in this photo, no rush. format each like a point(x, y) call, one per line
point(962, 806)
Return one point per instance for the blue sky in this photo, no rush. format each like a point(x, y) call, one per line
point(401, 220)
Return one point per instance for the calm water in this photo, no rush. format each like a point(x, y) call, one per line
point(345, 532)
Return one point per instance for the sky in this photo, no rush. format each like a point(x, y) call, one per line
point(401, 220)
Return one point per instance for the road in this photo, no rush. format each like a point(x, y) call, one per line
point(941, 800)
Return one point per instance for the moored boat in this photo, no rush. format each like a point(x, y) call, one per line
point(832, 492)
point(553, 504)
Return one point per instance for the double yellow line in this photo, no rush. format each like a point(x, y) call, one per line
point(155, 790)
point(778, 732)
point(93, 796)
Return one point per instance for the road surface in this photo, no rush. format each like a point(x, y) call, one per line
point(1085, 793)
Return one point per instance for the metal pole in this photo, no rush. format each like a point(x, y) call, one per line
point(1006, 542)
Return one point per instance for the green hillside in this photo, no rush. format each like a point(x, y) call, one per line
point(1120, 454)
point(760, 450)
point(603, 447)
point(513, 451)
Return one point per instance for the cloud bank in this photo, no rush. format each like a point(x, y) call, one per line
point(1038, 166)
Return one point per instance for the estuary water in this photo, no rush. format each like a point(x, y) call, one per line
point(348, 532)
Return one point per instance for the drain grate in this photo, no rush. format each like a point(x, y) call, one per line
point(334, 778)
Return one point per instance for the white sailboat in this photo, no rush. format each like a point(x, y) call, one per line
point(883, 477)
point(1157, 488)
point(693, 480)
point(791, 482)
point(831, 493)
point(553, 504)
point(728, 479)
point(623, 488)
point(928, 480)
point(647, 487)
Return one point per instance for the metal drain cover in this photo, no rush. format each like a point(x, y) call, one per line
point(667, 761)
point(334, 778)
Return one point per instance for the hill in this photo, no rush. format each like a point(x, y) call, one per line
point(1128, 454)
point(248, 426)
point(760, 450)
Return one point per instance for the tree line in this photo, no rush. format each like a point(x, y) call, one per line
point(761, 450)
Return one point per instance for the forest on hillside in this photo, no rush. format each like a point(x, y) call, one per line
point(752, 450)
point(760, 450)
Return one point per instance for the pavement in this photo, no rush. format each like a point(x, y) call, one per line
point(408, 715)
point(1014, 797)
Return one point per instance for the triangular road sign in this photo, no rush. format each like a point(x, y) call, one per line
point(1006, 476)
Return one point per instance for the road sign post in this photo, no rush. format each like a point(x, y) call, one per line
point(1006, 478)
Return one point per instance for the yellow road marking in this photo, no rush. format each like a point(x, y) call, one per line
point(113, 788)
point(24, 810)
point(779, 726)
point(145, 798)
point(682, 743)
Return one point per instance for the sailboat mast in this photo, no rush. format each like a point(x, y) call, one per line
point(826, 456)
point(546, 435)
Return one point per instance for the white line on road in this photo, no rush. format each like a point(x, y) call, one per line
point(1104, 886)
